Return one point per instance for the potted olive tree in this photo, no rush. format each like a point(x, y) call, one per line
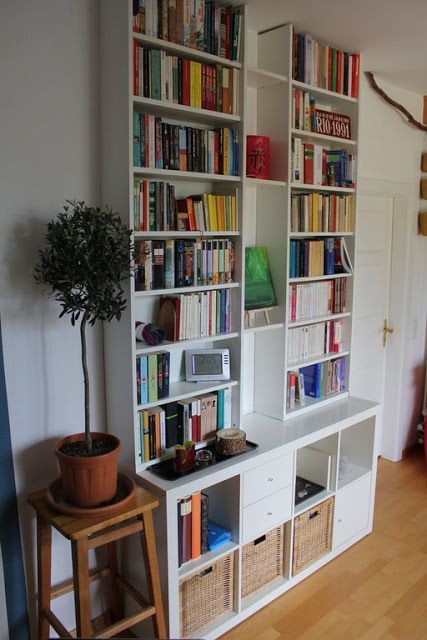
point(85, 260)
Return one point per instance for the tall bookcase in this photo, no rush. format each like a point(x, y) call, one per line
point(253, 496)
point(305, 329)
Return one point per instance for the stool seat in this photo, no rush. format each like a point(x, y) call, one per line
point(90, 533)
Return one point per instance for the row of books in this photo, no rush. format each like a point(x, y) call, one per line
point(321, 212)
point(194, 419)
point(192, 526)
point(163, 145)
point(169, 264)
point(161, 76)
point(316, 381)
point(308, 115)
point(325, 66)
point(315, 299)
point(156, 208)
point(152, 376)
point(205, 25)
point(315, 340)
point(310, 258)
point(313, 164)
point(195, 315)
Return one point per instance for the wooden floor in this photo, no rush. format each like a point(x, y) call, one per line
point(377, 589)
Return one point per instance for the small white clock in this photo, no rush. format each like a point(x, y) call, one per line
point(207, 364)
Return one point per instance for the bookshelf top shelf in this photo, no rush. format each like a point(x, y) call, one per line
point(183, 389)
point(186, 234)
point(187, 52)
point(321, 187)
point(184, 175)
point(331, 276)
point(259, 182)
point(317, 359)
point(167, 292)
point(312, 135)
point(259, 78)
point(323, 92)
point(171, 109)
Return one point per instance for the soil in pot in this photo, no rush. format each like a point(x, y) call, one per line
point(78, 448)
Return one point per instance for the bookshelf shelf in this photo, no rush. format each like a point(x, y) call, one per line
point(187, 52)
point(172, 110)
point(302, 323)
point(259, 78)
point(312, 502)
point(332, 276)
point(355, 472)
point(182, 389)
point(206, 559)
point(169, 174)
point(258, 182)
point(320, 187)
point(179, 344)
point(185, 234)
point(319, 234)
point(333, 95)
point(166, 292)
point(315, 137)
point(308, 361)
point(315, 403)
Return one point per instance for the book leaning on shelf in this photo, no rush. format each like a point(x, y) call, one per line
point(200, 24)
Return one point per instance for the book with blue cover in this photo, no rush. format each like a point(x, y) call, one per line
point(312, 379)
point(217, 536)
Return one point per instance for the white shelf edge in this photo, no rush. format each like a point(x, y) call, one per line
point(323, 92)
point(334, 316)
point(167, 455)
point(184, 234)
point(187, 111)
point(186, 51)
point(317, 359)
point(184, 175)
point(331, 276)
point(264, 327)
point(321, 187)
point(312, 502)
point(315, 403)
point(143, 349)
point(322, 136)
point(258, 182)
point(167, 292)
point(356, 473)
point(194, 566)
point(315, 234)
point(260, 78)
point(193, 389)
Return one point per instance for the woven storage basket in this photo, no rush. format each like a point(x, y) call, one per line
point(262, 561)
point(205, 596)
point(312, 535)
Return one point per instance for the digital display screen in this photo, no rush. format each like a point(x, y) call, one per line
point(205, 364)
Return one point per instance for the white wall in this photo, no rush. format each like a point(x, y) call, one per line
point(48, 152)
point(390, 149)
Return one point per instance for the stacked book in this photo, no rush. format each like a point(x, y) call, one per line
point(152, 376)
point(205, 25)
point(156, 208)
point(169, 264)
point(321, 212)
point(315, 340)
point(195, 315)
point(313, 164)
point(164, 145)
point(314, 299)
point(162, 76)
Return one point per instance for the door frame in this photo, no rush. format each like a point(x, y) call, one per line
point(390, 415)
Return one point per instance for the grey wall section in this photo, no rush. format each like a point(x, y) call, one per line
point(49, 152)
point(10, 537)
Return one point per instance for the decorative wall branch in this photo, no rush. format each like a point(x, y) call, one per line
point(393, 103)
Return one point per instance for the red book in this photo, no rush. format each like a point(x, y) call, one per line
point(184, 530)
point(191, 217)
point(308, 163)
point(183, 223)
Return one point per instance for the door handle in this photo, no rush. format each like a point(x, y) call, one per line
point(386, 330)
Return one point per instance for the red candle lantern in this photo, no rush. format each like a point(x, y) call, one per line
point(258, 157)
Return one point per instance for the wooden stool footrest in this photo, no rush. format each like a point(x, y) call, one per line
point(125, 623)
point(55, 623)
point(68, 585)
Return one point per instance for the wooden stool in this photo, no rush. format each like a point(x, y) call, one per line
point(90, 533)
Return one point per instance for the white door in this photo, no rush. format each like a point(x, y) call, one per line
point(371, 299)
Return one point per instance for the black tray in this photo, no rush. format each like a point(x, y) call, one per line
point(166, 468)
point(310, 489)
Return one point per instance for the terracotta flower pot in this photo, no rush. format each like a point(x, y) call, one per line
point(88, 481)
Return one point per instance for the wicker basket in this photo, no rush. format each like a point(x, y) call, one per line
point(312, 535)
point(262, 561)
point(205, 596)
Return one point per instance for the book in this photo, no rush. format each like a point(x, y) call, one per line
point(184, 529)
point(204, 514)
point(217, 536)
point(196, 529)
point(171, 424)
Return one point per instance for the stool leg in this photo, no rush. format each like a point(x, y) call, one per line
point(150, 557)
point(79, 550)
point(115, 593)
point(44, 575)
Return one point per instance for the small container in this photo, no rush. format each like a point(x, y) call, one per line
point(258, 157)
point(203, 457)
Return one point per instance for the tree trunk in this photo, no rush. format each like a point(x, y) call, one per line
point(88, 438)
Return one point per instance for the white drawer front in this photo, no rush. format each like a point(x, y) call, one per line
point(351, 510)
point(267, 478)
point(267, 513)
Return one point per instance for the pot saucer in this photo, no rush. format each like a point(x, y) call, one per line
point(125, 492)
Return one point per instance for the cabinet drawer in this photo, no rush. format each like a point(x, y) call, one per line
point(267, 478)
point(267, 513)
point(352, 506)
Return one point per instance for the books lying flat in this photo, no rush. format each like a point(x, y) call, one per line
point(217, 536)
